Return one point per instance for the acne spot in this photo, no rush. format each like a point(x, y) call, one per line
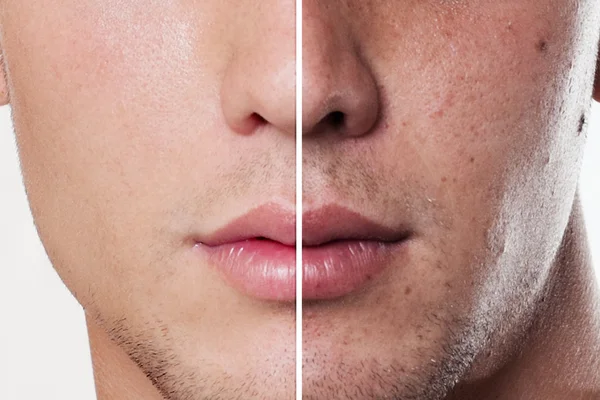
point(408, 290)
point(581, 124)
point(542, 45)
point(444, 179)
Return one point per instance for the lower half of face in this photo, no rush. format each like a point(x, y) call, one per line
point(475, 155)
point(128, 158)
point(138, 274)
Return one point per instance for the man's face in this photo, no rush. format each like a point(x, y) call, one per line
point(462, 131)
point(131, 120)
point(473, 148)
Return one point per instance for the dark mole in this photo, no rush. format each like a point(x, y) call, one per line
point(408, 290)
point(542, 45)
point(581, 124)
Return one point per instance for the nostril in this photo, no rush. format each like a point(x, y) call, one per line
point(334, 120)
point(258, 119)
point(250, 123)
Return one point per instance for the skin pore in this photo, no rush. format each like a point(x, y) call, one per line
point(135, 128)
point(464, 123)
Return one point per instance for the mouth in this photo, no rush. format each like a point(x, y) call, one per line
point(342, 251)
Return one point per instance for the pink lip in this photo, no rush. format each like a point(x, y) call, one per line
point(341, 252)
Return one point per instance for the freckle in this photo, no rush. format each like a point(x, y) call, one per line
point(448, 285)
point(472, 159)
point(454, 180)
point(444, 179)
point(408, 290)
point(542, 46)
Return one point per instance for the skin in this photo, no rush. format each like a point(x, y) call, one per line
point(462, 121)
point(465, 122)
point(135, 127)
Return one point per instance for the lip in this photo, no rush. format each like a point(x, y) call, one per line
point(342, 251)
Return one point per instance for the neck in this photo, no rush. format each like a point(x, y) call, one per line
point(116, 376)
point(559, 359)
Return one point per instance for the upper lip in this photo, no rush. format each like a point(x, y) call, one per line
point(326, 224)
point(270, 221)
point(333, 222)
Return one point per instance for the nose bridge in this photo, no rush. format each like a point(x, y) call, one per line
point(339, 91)
point(259, 85)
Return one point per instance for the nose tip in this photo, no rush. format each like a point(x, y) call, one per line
point(346, 102)
point(339, 91)
point(259, 89)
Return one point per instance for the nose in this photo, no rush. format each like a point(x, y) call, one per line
point(259, 85)
point(339, 91)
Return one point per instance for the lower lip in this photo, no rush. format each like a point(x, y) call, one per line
point(266, 270)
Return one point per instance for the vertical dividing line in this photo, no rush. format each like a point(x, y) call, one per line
point(299, 200)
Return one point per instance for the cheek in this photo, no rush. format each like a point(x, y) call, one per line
point(91, 55)
point(491, 94)
point(104, 93)
point(482, 122)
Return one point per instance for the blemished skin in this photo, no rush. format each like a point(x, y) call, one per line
point(464, 121)
point(134, 126)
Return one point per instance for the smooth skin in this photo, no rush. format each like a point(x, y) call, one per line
point(136, 130)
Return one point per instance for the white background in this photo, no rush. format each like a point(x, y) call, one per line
point(44, 352)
